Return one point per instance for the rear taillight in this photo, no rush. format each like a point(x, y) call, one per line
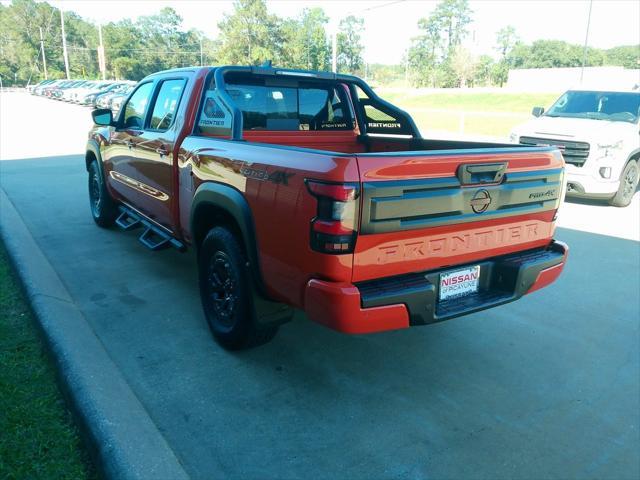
point(333, 229)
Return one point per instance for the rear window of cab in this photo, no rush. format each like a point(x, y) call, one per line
point(288, 106)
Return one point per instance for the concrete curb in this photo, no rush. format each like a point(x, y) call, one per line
point(122, 438)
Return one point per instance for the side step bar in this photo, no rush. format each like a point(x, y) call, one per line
point(153, 237)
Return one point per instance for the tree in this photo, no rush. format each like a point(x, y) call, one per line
point(506, 39)
point(82, 40)
point(453, 16)
point(431, 54)
point(350, 45)
point(250, 35)
point(464, 65)
point(154, 42)
point(20, 57)
point(627, 56)
point(425, 52)
point(482, 72)
point(307, 44)
point(552, 54)
point(500, 73)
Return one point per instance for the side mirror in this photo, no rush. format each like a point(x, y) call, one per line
point(537, 111)
point(102, 116)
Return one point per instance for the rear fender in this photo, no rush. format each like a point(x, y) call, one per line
point(232, 204)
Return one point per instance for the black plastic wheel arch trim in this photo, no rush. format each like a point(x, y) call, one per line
point(232, 202)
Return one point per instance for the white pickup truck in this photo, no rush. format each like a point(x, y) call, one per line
point(598, 134)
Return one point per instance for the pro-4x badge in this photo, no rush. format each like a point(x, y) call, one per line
point(277, 177)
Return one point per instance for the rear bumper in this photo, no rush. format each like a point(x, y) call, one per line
point(412, 299)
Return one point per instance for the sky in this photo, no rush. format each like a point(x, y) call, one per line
point(390, 25)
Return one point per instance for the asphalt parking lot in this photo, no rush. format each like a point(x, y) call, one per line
point(545, 387)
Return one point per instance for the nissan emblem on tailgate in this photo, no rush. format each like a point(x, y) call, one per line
point(480, 201)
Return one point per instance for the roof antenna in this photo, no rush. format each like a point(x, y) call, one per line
point(266, 64)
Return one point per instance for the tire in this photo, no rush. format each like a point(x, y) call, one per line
point(226, 291)
point(103, 209)
point(628, 185)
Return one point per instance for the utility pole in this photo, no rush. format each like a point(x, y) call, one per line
point(64, 45)
point(586, 41)
point(102, 60)
point(334, 41)
point(406, 70)
point(44, 58)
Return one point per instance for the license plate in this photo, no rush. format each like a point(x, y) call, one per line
point(459, 282)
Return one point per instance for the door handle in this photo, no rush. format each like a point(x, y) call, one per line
point(162, 151)
point(486, 173)
point(130, 144)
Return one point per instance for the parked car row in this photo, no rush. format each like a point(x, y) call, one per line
point(92, 93)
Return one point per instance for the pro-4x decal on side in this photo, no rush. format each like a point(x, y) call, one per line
point(277, 177)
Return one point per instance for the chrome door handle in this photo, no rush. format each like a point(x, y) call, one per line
point(161, 151)
point(130, 144)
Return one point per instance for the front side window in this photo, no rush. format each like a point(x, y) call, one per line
point(136, 107)
point(166, 104)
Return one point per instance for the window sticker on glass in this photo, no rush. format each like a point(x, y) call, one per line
point(213, 119)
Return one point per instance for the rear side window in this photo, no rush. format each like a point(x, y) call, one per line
point(379, 121)
point(382, 119)
point(214, 118)
point(137, 106)
point(166, 104)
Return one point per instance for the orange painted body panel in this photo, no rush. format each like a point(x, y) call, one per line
point(413, 165)
point(398, 252)
point(281, 212)
point(337, 306)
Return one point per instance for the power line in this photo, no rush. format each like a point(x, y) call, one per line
point(368, 9)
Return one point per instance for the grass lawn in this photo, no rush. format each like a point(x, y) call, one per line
point(509, 102)
point(473, 104)
point(37, 435)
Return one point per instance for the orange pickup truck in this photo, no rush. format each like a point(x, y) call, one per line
point(306, 190)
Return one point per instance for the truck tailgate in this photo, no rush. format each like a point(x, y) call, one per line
point(427, 210)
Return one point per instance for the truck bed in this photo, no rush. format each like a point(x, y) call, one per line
point(346, 142)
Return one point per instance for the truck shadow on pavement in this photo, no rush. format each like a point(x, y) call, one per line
point(483, 396)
